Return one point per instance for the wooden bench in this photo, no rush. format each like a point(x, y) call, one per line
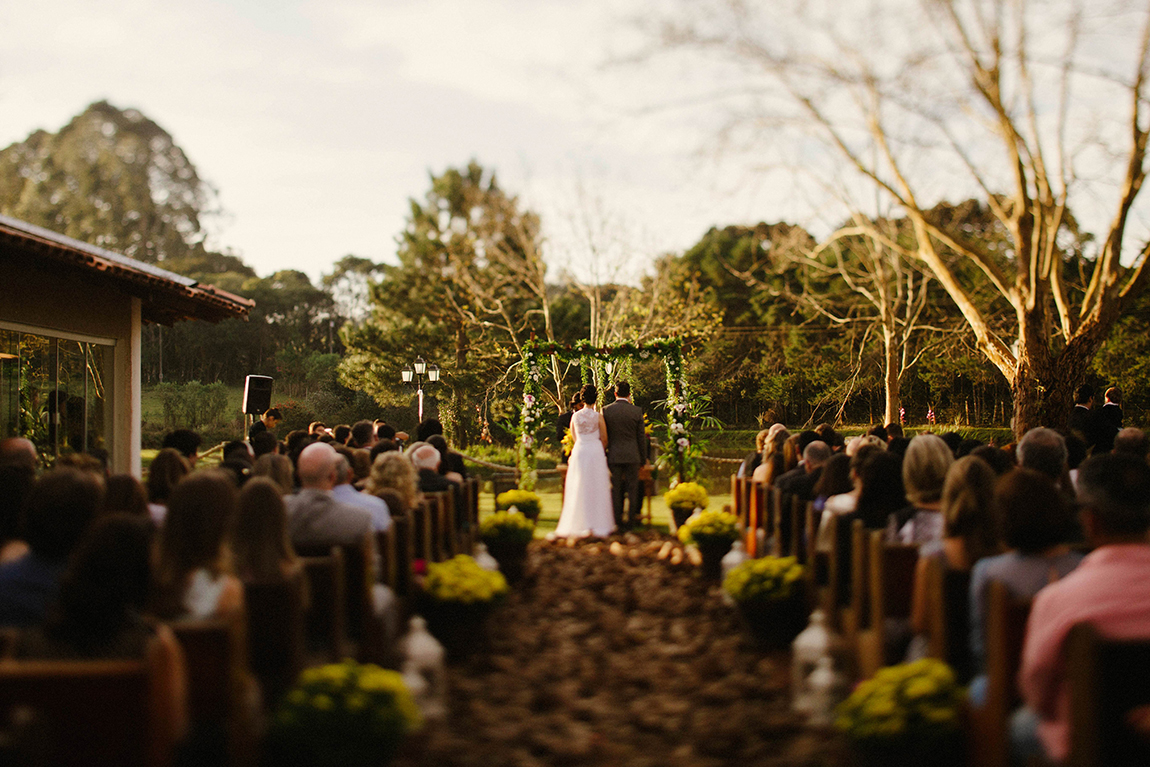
point(220, 694)
point(93, 713)
point(276, 634)
point(1107, 678)
point(1004, 633)
point(948, 617)
point(855, 614)
point(326, 617)
point(359, 579)
point(891, 588)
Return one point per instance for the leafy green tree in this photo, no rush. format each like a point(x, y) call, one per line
point(113, 178)
point(467, 292)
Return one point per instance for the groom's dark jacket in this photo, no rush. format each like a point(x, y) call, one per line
point(626, 436)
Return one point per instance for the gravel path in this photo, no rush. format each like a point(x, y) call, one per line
point(601, 658)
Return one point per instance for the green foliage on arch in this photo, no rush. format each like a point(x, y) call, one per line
point(681, 455)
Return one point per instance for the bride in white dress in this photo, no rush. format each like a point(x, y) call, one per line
point(587, 508)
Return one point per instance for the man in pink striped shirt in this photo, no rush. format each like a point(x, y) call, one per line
point(1110, 589)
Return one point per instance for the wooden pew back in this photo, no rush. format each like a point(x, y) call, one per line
point(326, 619)
point(96, 713)
point(1107, 679)
point(276, 633)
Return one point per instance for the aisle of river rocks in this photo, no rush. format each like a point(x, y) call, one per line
point(602, 658)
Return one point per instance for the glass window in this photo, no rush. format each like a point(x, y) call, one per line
point(53, 391)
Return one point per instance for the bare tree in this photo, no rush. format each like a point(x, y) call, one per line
point(1038, 108)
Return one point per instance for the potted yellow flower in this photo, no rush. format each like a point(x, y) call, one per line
point(683, 499)
point(506, 535)
point(342, 715)
point(713, 532)
point(527, 502)
point(906, 715)
point(770, 597)
point(457, 597)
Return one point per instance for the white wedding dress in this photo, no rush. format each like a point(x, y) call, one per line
point(587, 507)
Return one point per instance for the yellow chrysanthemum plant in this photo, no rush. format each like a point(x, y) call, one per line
point(686, 495)
point(710, 527)
point(526, 502)
point(461, 580)
point(343, 714)
point(914, 704)
point(768, 579)
point(506, 528)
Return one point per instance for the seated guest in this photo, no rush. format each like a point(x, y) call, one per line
point(1045, 450)
point(426, 460)
point(187, 442)
point(102, 596)
point(384, 430)
point(17, 475)
point(881, 493)
point(1036, 524)
point(801, 480)
point(261, 550)
point(773, 463)
point(263, 443)
point(341, 433)
point(1109, 589)
point(996, 458)
point(123, 494)
point(59, 510)
point(345, 492)
point(362, 435)
point(893, 431)
point(450, 463)
point(167, 469)
point(752, 461)
point(237, 460)
point(315, 516)
point(952, 439)
point(880, 432)
point(394, 472)
point(1133, 442)
point(193, 573)
point(317, 428)
point(857, 443)
point(924, 469)
point(834, 479)
point(969, 531)
point(278, 469)
point(383, 446)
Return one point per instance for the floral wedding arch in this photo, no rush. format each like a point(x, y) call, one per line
point(680, 454)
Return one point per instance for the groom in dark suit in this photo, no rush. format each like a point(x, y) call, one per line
point(626, 454)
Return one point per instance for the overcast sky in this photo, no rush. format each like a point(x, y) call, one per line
point(316, 121)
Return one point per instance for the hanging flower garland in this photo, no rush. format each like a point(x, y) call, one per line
point(679, 446)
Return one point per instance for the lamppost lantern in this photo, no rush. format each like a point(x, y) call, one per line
point(416, 374)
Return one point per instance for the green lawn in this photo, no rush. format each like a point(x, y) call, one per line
point(553, 505)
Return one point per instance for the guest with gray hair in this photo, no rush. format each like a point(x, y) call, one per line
point(1133, 441)
point(426, 460)
point(1043, 450)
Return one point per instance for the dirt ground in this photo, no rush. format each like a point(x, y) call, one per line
point(618, 658)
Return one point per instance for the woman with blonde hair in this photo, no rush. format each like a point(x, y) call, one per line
point(193, 575)
point(394, 471)
point(773, 464)
point(924, 469)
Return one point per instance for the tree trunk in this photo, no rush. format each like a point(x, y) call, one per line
point(891, 374)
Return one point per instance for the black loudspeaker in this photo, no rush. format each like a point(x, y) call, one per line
point(257, 394)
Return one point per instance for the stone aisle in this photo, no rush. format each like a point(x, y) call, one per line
point(618, 659)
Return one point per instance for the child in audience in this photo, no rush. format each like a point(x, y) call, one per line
point(194, 573)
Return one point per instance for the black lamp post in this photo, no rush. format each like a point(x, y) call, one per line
point(415, 374)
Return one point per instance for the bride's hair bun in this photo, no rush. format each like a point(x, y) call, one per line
point(589, 394)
